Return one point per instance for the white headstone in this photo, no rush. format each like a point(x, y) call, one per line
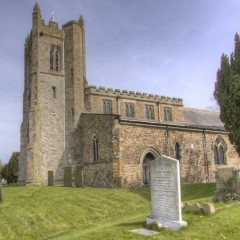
point(166, 193)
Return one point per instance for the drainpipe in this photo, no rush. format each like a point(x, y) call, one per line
point(206, 163)
point(167, 140)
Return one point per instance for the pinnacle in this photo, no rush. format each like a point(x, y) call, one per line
point(36, 7)
point(81, 21)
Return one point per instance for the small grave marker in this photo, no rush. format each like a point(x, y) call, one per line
point(68, 177)
point(79, 176)
point(50, 178)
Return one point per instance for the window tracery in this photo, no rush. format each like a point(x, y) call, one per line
point(149, 112)
point(219, 151)
point(56, 58)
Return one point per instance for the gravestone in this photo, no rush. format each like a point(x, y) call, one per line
point(68, 177)
point(79, 176)
point(166, 193)
point(223, 175)
point(50, 178)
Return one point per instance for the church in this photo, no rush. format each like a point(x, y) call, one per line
point(110, 134)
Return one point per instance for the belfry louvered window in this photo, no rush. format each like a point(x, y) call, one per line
point(56, 58)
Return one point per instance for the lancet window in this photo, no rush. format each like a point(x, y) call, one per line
point(94, 149)
point(56, 58)
point(219, 151)
point(177, 151)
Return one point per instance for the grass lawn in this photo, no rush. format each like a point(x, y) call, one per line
point(88, 213)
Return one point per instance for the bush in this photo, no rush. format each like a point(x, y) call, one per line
point(10, 170)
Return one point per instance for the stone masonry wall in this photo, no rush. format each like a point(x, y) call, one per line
point(137, 141)
point(106, 170)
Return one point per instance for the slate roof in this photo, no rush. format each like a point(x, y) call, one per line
point(202, 118)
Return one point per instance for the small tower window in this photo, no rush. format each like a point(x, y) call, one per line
point(56, 58)
point(54, 92)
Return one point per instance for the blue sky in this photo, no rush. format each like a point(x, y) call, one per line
point(165, 47)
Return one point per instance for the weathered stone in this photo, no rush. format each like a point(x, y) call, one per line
point(208, 208)
point(68, 177)
point(197, 208)
point(187, 207)
point(223, 175)
point(79, 177)
point(166, 193)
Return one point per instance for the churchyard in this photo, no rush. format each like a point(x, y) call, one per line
point(39, 212)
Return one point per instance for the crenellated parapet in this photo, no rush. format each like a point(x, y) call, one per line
point(109, 92)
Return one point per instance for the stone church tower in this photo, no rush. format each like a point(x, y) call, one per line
point(53, 99)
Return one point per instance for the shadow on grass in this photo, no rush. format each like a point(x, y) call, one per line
point(198, 191)
point(143, 192)
point(133, 224)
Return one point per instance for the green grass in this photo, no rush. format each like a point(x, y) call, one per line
point(88, 213)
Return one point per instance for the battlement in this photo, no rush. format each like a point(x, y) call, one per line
point(91, 89)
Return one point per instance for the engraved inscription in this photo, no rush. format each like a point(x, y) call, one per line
point(164, 190)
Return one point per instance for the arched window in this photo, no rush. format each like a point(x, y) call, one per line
point(216, 157)
point(177, 151)
point(56, 58)
point(94, 149)
point(146, 168)
point(219, 150)
point(221, 155)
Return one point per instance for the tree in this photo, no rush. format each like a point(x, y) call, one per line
point(10, 170)
point(1, 167)
point(227, 93)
